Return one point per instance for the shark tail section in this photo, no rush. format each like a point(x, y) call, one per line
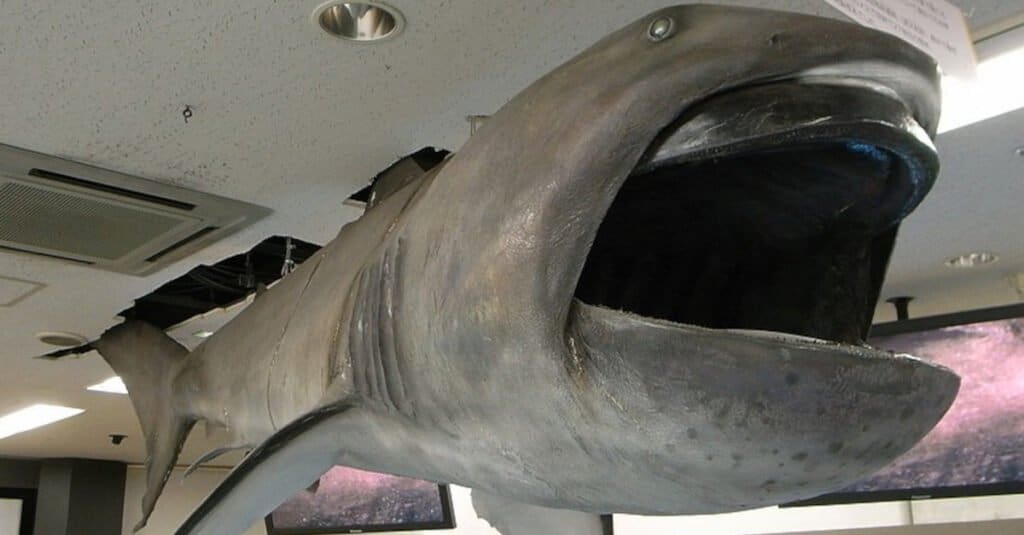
point(148, 360)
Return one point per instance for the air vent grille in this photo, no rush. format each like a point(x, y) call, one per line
point(47, 221)
point(61, 209)
point(121, 192)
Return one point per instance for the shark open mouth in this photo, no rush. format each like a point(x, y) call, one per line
point(771, 208)
point(736, 274)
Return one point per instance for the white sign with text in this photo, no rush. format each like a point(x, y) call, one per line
point(935, 26)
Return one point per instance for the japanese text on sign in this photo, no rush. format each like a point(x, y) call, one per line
point(935, 26)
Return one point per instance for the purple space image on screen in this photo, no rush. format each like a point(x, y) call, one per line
point(350, 497)
point(981, 438)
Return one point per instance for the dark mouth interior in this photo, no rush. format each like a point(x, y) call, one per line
point(794, 240)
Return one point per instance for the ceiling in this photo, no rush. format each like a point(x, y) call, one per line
point(289, 118)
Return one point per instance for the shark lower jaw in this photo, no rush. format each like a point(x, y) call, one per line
point(723, 420)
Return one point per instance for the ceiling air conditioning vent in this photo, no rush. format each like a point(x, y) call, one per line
point(87, 215)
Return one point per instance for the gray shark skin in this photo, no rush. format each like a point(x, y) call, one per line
point(642, 287)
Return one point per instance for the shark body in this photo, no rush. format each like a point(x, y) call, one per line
point(641, 287)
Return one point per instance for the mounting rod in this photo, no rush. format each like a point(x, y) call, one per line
point(902, 306)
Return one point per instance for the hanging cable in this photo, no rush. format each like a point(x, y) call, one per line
point(289, 265)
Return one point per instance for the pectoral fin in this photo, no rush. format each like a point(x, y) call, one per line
point(284, 464)
point(207, 457)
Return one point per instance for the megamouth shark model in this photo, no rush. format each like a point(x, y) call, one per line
point(643, 286)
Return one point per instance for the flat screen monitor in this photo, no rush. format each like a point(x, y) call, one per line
point(347, 500)
point(978, 446)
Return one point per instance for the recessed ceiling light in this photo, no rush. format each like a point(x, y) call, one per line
point(32, 417)
point(114, 385)
point(359, 21)
point(61, 339)
point(970, 260)
point(202, 334)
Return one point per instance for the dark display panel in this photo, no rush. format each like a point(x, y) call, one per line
point(351, 501)
point(978, 447)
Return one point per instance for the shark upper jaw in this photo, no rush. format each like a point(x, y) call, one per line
point(771, 207)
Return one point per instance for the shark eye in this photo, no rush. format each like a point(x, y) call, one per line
point(661, 28)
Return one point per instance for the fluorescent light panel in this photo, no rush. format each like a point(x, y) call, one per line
point(32, 417)
point(114, 385)
point(998, 88)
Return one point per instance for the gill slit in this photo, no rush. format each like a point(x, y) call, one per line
point(375, 352)
point(375, 348)
point(390, 351)
point(284, 330)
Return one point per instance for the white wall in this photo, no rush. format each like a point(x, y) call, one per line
point(10, 516)
point(768, 520)
point(831, 517)
point(516, 518)
point(180, 497)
